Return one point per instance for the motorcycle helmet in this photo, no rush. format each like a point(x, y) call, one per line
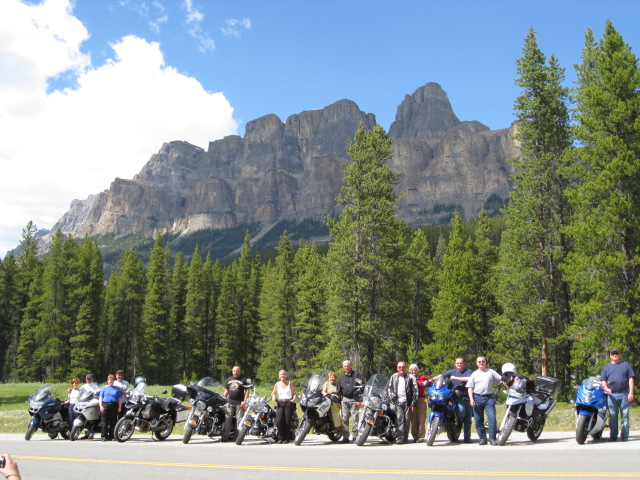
point(138, 380)
point(509, 368)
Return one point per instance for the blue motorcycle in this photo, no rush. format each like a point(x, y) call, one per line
point(443, 403)
point(591, 410)
point(48, 414)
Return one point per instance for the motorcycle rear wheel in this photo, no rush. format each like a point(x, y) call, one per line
point(124, 429)
point(30, 431)
point(53, 435)
point(166, 431)
point(241, 434)
point(363, 434)
point(188, 431)
point(434, 426)
point(65, 433)
point(453, 430)
point(335, 437)
point(507, 429)
point(302, 431)
point(534, 432)
point(582, 429)
point(75, 433)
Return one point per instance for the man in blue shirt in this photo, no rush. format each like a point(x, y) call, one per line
point(623, 381)
point(459, 377)
point(110, 405)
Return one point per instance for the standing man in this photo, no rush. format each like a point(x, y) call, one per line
point(480, 386)
point(237, 392)
point(403, 393)
point(623, 380)
point(110, 405)
point(459, 377)
point(348, 383)
point(419, 416)
point(124, 387)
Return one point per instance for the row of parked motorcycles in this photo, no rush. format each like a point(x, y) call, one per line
point(528, 405)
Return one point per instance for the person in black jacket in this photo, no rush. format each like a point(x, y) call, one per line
point(349, 385)
point(403, 393)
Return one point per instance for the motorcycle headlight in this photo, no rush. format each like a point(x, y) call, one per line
point(375, 404)
point(200, 405)
point(433, 396)
point(440, 396)
point(515, 393)
point(588, 397)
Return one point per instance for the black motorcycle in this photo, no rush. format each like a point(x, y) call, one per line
point(317, 411)
point(147, 413)
point(47, 414)
point(376, 416)
point(207, 409)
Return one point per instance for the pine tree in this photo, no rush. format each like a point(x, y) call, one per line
point(368, 240)
point(227, 340)
point(604, 269)
point(196, 316)
point(177, 299)
point(10, 313)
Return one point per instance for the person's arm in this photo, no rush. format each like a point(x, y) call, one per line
point(632, 386)
point(120, 402)
point(100, 402)
point(603, 380)
point(293, 392)
point(10, 469)
point(274, 392)
point(246, 396)
point(472, 401)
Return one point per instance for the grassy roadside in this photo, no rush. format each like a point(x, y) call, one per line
point(14, 414)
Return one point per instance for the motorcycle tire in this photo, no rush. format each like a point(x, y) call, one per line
point(53, 435)
point(582, 429)
point(124, 429)
point(75, 433)
point(66, 433)
point(363, 434)
point(166, 431)
point(534, 432)
point(453, 431)
point(597, 436)
point(508, 428)
point(302, 431)
point(187, 434)
point(335, 437)
point(432, 431)
point(241, 434)
point(30, 431)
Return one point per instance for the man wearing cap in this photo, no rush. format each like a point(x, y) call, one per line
point(623, 381)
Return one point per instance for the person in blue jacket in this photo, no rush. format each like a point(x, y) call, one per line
point(110, 405)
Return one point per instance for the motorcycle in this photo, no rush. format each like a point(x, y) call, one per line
point(87, 409)
point(376, 415)
point(260, 419)
point(591, 410)
point(317, 411)
point(207, 409)
point(152, 414)
point(443, 402)
point(528, 408)
point(48, 414)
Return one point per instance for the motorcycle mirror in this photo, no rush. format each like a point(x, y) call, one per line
point(164, 391)
point(427, 372)
point(304, 384)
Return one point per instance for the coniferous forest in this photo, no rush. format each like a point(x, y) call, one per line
point(553, 294)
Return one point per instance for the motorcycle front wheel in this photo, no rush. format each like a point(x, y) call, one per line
point(166, 431)
point(241, 434)
point(75, 433)
point(506, 430)
point(582, 429)
point(30, 431)
point(363, 434)
point(124, 429)
point(434, 426)
point(188, 431)
point(302, 431)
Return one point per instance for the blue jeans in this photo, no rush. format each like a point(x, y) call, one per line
point(465, 412)
point(618, 402)
point(488, 405)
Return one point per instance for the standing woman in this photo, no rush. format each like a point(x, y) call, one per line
point(73, 395)
point(284, 394)
point(110, 406)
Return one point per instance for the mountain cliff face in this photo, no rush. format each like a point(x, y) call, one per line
point(293, 170)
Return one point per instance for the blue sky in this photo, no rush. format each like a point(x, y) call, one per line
point(89, 90)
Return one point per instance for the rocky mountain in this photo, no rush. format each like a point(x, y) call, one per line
point(293, 170)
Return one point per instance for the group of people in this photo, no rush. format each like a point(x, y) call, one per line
point(111, 399)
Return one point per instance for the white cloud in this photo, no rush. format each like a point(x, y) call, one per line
point(194, 28)
point(59, 146)
point(233, 27)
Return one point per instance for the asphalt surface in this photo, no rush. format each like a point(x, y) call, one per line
point(554, 455)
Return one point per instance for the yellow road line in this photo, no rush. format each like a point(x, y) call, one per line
point(359, 471)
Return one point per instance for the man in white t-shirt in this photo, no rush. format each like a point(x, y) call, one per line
point(480, 386)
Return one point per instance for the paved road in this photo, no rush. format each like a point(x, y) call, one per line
point(555, 455)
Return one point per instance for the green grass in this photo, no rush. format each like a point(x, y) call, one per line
point(14, 414)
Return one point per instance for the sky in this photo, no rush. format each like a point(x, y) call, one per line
point(90, 89)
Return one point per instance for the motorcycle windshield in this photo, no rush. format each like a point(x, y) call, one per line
point(87, 392)
point(376, 385)
point(591, 383)
point(211, 384)
point(439, 383)
point(44, 392)
point(315, 383)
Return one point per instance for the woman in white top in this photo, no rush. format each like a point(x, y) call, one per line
point(284, 394)
point(71, 401)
